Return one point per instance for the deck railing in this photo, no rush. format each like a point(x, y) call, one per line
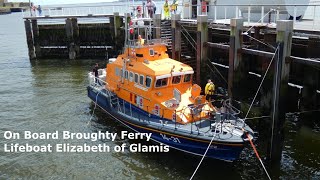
point(77, 10)
point(261, 14)
point(306, 17)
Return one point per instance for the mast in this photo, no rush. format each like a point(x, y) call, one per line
point(126, 16)
point(150, 32)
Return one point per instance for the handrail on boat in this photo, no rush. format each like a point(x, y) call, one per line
point(136, 43)
point(226, 103)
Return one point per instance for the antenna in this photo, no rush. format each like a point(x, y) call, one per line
point(149, 33)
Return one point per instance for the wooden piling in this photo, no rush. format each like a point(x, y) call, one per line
point(280, 89)
point(157, 25)
point(309, 91)
point(76, 38)
point(27, 25)
point(311, 77)
point(256, 36)
point(111, 24)
point(36, 40)
point(118, 40)
point(313, 47)
point(70, 40)
point(202, 38)
point(116, 24)
point(176, 36)
point(269, 38)
point(235, 72)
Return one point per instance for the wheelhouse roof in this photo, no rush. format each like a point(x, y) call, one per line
point(158, 67)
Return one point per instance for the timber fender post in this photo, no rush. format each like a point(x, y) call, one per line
point(236, 68)
point(157, 24)
point(116, 24)
point(202, 38)
point(256, 36)
point(116, 21)
point(36, 40)
point(76, 37)
point(70, 39)
point(176, 36)
point(280, 89)
point(309, 90)
point(311, 78)
point(29, 36)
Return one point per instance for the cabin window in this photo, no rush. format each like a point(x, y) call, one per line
point(148, 81)
point(136, 78)
point(176, 79)
point(187, 78)
point(131, 76)
point(126, 73)
point(141, 79)
point(117, 71)
point(162, 82)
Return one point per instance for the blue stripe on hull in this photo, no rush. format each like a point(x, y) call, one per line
point(223, 152)
point(218, 151)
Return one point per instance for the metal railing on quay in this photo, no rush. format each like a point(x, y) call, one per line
point(77, 10)
point(305, 16)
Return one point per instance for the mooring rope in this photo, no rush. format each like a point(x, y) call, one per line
point(274, 107)
point(255, 96)
point(264, 76)
point(266, 44)
point(257, 154)
point(259, 20)
point(259, 117)
point(217, 71)
point(288, 113)
point(246, 33)
point(204, 155)
point(307, 111)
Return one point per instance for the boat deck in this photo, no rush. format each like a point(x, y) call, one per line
point(227, 129)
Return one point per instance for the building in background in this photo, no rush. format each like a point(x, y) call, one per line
point(226, 9)
point(7, 7)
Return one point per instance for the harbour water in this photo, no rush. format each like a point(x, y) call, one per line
point(50, 95)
